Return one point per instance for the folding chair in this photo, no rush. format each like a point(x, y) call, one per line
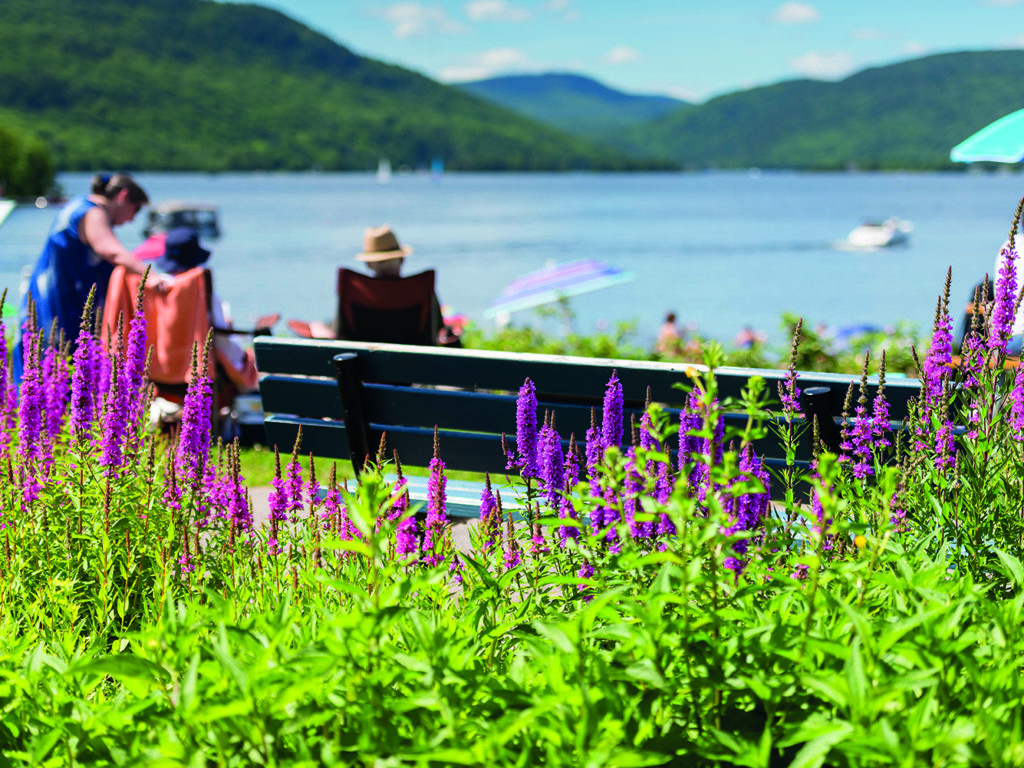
point(401, 310)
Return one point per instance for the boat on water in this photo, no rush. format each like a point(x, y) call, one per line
point(879, 234)
point(203, 217)
point(384, 171)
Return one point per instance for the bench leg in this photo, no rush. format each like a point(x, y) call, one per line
point(350, 388)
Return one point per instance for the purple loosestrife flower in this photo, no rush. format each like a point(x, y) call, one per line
point(55, 378)
point(936, 364)
point(407, 537)
point(115, 418)
point(278, 498)
point(1006, 296)
point(31, 400)
point(489, 521)
point(133, 371)
point(861, 443)
point(552, 473)
point(611, 422)
point(82, 386)
point(1017, 404)
point(586, 571)
point(789, 392)
point(526, 431)
point(513, 557)
point(747, 509)
point(194, 438)
point(690, 420)
point(632, 490)
point(294, 487)
point(648, 441)
point(594, 450)
point(437, 513)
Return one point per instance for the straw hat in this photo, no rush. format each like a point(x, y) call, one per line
point(380, 244)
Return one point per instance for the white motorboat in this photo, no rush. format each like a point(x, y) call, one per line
point(879, 234)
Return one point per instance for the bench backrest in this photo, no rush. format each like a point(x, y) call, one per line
point(470, 396)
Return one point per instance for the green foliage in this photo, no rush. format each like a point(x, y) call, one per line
point(26, 165)
point(202, 85)
point(903, 116)
point(818, 351)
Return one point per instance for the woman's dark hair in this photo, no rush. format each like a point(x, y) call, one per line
point(108, 185)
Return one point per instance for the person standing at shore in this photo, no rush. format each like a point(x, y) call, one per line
point(81, 251)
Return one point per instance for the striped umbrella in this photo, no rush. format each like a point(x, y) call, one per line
point(555, 282)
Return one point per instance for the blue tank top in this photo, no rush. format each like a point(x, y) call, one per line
point(65, 272)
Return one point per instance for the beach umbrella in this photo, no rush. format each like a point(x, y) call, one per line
point(998, 142)
point(555, 282)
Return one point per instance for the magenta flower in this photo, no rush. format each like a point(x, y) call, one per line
point(194, 438)
point(1017, 404)
point(526, 432)
point(1006, 296)
point(611, 423)
point(552, 473)
point(437, 514)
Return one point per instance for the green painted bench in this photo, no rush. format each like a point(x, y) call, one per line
point(345, 394)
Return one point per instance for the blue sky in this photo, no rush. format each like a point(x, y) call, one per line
point(691, 49)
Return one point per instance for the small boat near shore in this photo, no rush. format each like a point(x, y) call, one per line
point(872, 235)
point(202, 217)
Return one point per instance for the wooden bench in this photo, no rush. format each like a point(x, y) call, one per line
point(345, 394)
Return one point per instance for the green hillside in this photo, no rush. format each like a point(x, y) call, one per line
point(906, 115)
point(195, 84)
point(572, 103)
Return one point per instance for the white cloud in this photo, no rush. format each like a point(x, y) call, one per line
point(620, 54)
point(678, 92)
point(495, 10)
point(416, 20)
point(914, 48)
point(795, 13)
point(823, 65)
point(488, 64)
point(563, 7)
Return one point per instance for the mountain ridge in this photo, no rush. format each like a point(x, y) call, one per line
point(200, 85)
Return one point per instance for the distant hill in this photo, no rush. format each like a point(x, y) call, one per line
point(903, 116)
point(571, 102)
point(199, 85)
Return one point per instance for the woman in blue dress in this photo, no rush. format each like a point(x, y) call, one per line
point(81, 251)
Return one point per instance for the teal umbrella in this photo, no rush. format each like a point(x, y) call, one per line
point(998, 142)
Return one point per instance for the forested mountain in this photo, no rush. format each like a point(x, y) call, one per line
point(194, 84)
point(571, 102)
point(906, 115)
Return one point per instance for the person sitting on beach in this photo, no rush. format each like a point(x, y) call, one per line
point(669, 339)
point(749, 337)
point(384, 257)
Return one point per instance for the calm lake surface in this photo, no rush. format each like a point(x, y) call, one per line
point(723, 250)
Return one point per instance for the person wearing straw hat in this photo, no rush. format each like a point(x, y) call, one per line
point(384, 256)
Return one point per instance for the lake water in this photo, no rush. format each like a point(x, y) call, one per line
point(723, 250)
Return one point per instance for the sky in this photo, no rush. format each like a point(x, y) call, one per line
point(689, 49)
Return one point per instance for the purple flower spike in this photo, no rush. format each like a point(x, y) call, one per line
point(552, 474)
point(526, 431)
point(82, 383)
point(115, 421)
point(1006, 295)
point(1017, 404)
point(194, 438)
point(489, 521)
point(437, 513)
point(611, 424)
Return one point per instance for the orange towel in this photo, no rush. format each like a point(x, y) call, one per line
point(174, 320)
